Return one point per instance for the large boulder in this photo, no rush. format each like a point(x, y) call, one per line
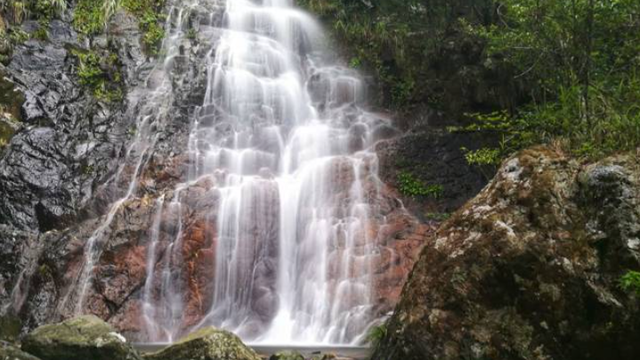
point(9, 352)
point(206, 344)
point(82, 338)
point(529, 269)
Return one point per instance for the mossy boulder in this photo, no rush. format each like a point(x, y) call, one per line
point(287, 355)
point(530, 268)
point(82, 338)
point(10, 352)
point(206, 344)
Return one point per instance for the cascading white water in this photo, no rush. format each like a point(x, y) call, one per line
point(283, 140)
point(281, 135)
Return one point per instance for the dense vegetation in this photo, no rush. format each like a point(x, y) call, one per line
point(549, 71)
point(98, 69)
point(401, 42)
point(92, 16)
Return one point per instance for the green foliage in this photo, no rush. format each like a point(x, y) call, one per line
point(89, 17)
point(486, 160)
point(41, 33)
point(15, 10)
point(571, 68)
point(631, 282)
point(579, 61)
point(101, 77)
point(92, 16)
point(410, 185)
point(89, 70)
point(437, 216)
point(48, 9)
point(153, 33)
point(376, 334)
point(355, 62)
point(17, 35)
point(483, 156)
point(392, 38)
point(149, 19)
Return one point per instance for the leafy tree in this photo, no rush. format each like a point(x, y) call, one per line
point(579, 60)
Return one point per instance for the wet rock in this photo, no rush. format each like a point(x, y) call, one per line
point(287, 355)
point(324, 357)
point(9, 352)
point(58, 114)
point(82, 338)
point(529, 269)
point(206, 344)
point(432, 156)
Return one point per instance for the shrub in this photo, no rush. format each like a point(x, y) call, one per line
point(410, 185)
point(631, 282)
point(102, 79)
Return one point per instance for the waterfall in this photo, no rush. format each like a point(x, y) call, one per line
point(283, 146)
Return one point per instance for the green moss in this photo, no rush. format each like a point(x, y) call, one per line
point(82, 338)
point(206, 343)
point(437, 216)
point(10, 327)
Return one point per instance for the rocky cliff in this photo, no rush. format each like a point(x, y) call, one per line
point(530, 268)
point(65, 141)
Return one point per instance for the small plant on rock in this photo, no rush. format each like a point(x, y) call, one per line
point(631, 282)
point(410, 185)
point(376, 334)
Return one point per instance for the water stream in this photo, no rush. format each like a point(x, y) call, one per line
point(282, 135)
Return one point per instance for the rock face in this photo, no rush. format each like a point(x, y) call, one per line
point(529, 269)
point(206, 344)
point(81, 338)
point(434, 156)
point(63, 144)
point(69, 141)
